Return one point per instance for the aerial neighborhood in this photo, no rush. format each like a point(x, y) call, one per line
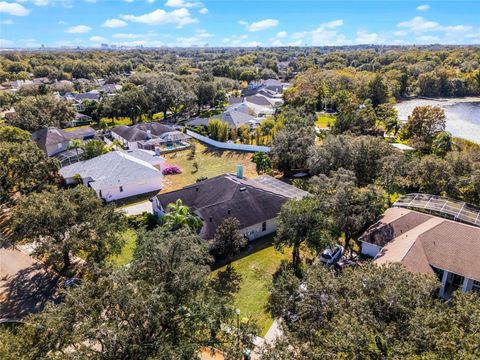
point(283, 202)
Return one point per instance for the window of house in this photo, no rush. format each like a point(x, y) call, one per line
point(121, 188)
point(264, 226)
point(476, 286)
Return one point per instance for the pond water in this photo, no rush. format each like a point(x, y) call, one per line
point(463, 115)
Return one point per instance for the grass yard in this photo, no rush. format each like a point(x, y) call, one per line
point(126, 255)
point(211, 162)
point(256, 269)
point(324, 121)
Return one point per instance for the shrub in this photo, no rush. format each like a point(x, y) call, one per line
point(171, 170)
point(144, 220)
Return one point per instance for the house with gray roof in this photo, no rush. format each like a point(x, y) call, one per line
point(54, 141)
point(117, 174)
point(147, 135)
point(255, 203)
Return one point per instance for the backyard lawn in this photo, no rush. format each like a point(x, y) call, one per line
point(211, 162)
point(256, 270)
point(126, 255)
point(324, 121)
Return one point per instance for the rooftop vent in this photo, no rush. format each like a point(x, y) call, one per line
point(243, 188)
point(210, 219)
point(229, 211)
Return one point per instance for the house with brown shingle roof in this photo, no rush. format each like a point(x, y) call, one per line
point(427, 244)
point(255, 203)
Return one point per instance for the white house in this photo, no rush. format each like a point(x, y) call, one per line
point(427, 244)
point(117, 174)
point(254, 203)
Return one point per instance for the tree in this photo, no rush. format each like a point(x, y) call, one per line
point(303, 221)
point(388, 115)
point(218, 129)
point(292, 143)
point(262, 161)
point(164, 305)
point(166, 94)
point(351, 208)
point(130, 102)
point(66, 223)
point(24, 168)
point(179, 216)
point(205, 92)
point(33, 113)
point(355, 118)
point(423, 125)
point(228, 240)
point(94, 148)
point(75, 144)
point(372, 312)
point(13, 134)
point(442, 144)
point(377, 90)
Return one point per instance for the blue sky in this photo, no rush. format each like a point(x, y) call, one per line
point(29, 23)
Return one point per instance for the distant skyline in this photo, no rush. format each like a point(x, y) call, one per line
point(154, 23)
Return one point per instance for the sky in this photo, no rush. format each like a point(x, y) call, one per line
point(154, 23)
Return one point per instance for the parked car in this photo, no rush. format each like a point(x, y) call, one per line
point(72, 282)
point(330, 256)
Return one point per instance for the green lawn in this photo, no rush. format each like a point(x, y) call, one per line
point(211, 162)
point(256, 270)
point(126, 255)
point(324, 121)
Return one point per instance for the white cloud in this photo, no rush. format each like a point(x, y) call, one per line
point(6, 22)
point(182, 3)
point(179, 17)
point(114, 23)
point(282, 34)
point(235, 40)
point(427, 39)
point(260, 25)
point(423, 7)
point(6, 43)
point(13, 9)
point(126, 36)
point(364, 37)
point(419, 25)
point(98, 39)
point(332, 24)
point(326, 34)
point(295, 43)
point(61, 22)
point(203, 11)
point(203, 33)
point(253, 44)
point(78, 29)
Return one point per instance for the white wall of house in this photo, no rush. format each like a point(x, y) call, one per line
point(256, 231)
point(127, 190)
point(130, 145)
point(467, 284)
point(57, 148)
point(370, 249)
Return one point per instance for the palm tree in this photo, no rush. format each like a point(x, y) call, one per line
point(442, 143)
point(75, 144)
point(179, 216)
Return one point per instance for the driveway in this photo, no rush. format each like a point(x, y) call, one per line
point(138, 208)
point(26, 285)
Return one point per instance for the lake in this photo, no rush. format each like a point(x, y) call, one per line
point(463, 115)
